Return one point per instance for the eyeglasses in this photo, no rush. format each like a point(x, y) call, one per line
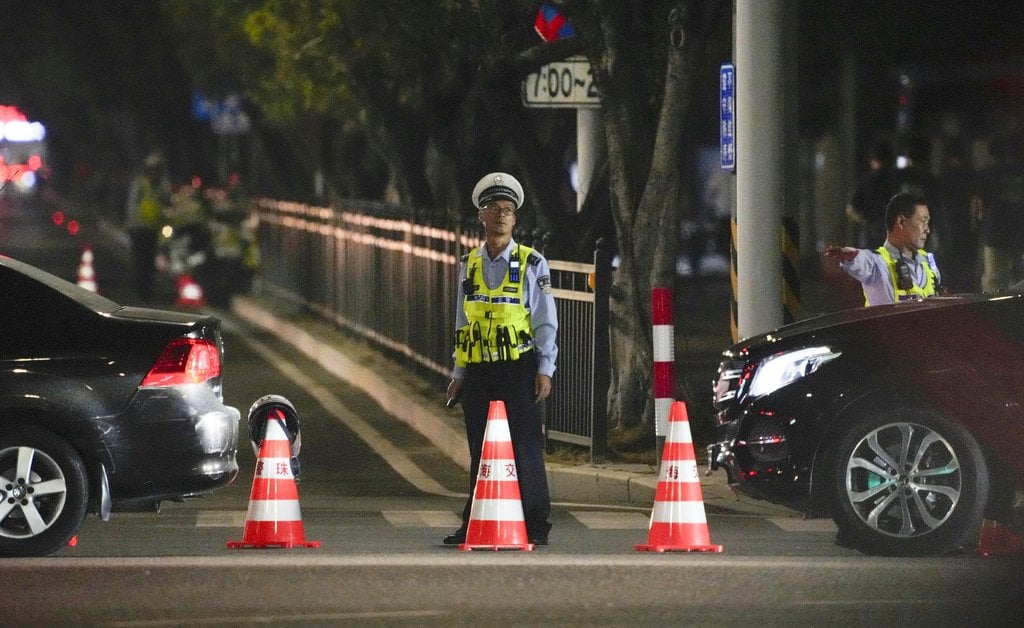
point(498, 209)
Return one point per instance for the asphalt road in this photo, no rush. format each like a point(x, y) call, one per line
point(379, 498)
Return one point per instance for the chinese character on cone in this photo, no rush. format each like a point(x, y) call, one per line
point(678, 522)
point(496, 519)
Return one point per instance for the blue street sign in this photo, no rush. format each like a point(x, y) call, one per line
point(727, 116)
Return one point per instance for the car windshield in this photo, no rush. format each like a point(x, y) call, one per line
point(73, 291)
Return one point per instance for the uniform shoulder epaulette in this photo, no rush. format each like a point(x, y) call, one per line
point(533, 259)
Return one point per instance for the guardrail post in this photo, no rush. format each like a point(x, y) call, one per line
point(601, 364)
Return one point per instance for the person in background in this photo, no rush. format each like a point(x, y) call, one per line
point(866, 207)
point(505, 350)
point(900, 269)
point(148, 198)
point(956, 227)
point(1001, 214)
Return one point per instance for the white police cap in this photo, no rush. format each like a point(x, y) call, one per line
point(498, 185)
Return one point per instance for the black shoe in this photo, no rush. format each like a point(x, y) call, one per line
point(456, 538)
point(538, 532)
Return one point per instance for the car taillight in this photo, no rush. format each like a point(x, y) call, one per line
point(185, 361)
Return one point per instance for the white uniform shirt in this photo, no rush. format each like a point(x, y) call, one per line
point(871, 270)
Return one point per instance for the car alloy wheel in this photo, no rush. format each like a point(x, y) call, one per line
point(43, 493)
point(909, 483)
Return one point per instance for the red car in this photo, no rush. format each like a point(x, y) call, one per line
point(904, 423)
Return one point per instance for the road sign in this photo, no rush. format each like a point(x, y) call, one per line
point(727, 116)
point(226, 116)
point(551, 24)
point(568, 83)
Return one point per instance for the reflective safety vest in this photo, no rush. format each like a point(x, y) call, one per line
point(150, 208)
point(499, 319)
point(915, 292)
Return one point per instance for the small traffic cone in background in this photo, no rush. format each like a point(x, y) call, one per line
point(998, 540)
point(190, 293)
point(86, 273)
point(274, 518)
point(496, 520)
point(678, 521)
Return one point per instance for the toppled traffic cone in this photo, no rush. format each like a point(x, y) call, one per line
point(86, 273)
point(190, 293)
point(496, 519)
point(998, 540)
point(274, 518)
point(678, 521)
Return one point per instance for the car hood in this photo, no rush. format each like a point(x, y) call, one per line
point(821, 325)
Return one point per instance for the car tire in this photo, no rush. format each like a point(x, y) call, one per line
point(908, 483)
point(41, 511)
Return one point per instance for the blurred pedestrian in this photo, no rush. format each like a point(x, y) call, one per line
point(956, 227)
point(866, 207)
point(1001, 212)
point(148, 199)
point(914, 176)
point(900, 269)
point(505, 349)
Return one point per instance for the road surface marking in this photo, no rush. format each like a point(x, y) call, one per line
point(220, 518)
point(611, 520)
point(792, 524)
point(422, 518)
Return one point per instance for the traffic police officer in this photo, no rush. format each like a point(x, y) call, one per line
point(900, 269)
point(505, 346)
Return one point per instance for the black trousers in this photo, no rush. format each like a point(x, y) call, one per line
point(513, 383)
point(144, 244)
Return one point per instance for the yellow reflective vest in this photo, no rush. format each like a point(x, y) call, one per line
point(499, 320)
point(915, 291)
point(150, 207)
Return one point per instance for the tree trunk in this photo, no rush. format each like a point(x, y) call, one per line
point(647, 181)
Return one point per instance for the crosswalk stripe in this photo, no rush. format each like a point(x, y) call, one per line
point(422, 518)
point(220, 518)
point(793, 524)
point(593, 520)
point(611, 520)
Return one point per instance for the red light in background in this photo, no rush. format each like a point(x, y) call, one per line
point(35, 162)
point(58, 218)
point(73, 227)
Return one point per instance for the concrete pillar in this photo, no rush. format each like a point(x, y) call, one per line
point(760, 164)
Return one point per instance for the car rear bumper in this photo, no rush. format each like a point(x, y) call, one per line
point(189, 447)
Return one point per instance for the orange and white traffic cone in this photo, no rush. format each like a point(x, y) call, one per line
point(190, 293)
point(998, 540)
point(678, 521)
point(86, 273)
point(274, 518)
point(496, 519)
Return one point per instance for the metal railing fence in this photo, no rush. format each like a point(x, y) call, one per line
point(394, 283)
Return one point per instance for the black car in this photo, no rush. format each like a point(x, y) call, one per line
point(903, 422)
point(102, 408)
